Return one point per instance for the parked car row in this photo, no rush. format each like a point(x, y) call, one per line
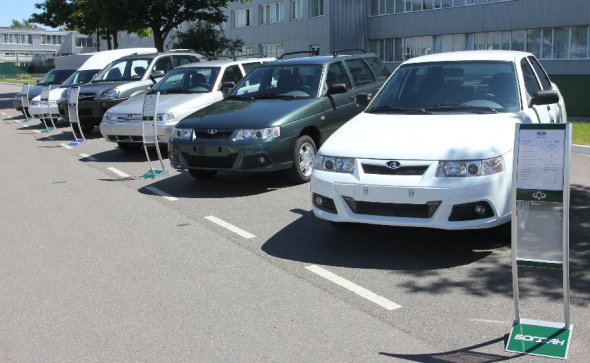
point(429, 146)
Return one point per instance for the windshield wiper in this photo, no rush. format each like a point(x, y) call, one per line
point(274, 95)
point(397, 109)
point(461, 107)
point(175, 90)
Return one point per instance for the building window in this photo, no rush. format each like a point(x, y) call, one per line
point(315, 48)
point(271, 13)
point(561, 43)
point(51, 39)
point(271, 50)
point(17, 39)
point(579, 42)
point(241, 18)
point(296, 9)
point(547, 47)
point(83, 42)
point(533, 42)
point(317, 8)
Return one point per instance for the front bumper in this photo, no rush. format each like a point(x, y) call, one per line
point(413, 201)
point(37, 110)
point(245, 156)
point(90, 113)
point(130, 131)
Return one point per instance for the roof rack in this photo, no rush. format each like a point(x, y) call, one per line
point(180, 50)
point(360, 50)
point(311, 52)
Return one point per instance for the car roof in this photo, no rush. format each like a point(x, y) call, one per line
point(154, 55)
point(321, 59)
point(225, 62)
point(470, 55)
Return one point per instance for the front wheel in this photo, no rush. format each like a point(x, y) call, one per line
point(303, 156)
point(202, 174)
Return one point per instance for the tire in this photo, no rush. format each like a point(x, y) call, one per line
point(129, 146)
point(303, 155)
point(202, 174)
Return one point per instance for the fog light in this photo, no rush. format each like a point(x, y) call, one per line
point(318, 200)
point(329, 165)
point(261, 160)
point(472, 169)
point(480, 209)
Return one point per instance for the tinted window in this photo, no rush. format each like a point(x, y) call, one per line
point(289, 80)
point(80, 77)
point(470, 83)
point(530, 79)
point(188, 80)
point(545, 81)
point(164, 64)
point(123, 70)
point(185, 59)
point(232, 74)
point(361, 73)
point(56, 76)
point(380, 70)
point(337, 74)
point(250, 66)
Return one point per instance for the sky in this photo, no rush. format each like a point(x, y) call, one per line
point(19, 10)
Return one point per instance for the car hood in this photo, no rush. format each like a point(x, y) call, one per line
point(424, 137)
point(233, 114)
point(98, 87)
point(180, 104)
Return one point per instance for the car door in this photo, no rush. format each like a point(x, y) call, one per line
point(338, 108)
point(540, 113)
point(556, 111)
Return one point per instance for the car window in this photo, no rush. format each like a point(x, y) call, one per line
point(250, 66)
point(361, 73)
point(163, 64)
point(543, 77)
point(123, 69)
point(188, 80)
point(287, 80)
point(530, 79)
point(337, 74)
point(231, 74)
point(55, 76)
point(466, 85)
point(185, 59)
point(380, 70)
point(138, 67)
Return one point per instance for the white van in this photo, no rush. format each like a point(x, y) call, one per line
point(94, 62)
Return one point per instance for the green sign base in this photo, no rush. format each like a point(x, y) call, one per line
point(540, 338)
point(152, 174)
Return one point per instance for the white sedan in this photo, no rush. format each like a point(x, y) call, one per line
point(184, 90)
point(434, 148)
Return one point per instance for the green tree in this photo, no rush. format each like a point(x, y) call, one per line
point(207, 39)
point(24, 24)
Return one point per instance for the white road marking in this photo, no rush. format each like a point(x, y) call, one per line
point(161, 193)
point(490, 321)
point(118, 172)
point(66, 146)
point(230, 227)
point(351, 286)
point(86, 156)
point(3, 113)
point(37, 131)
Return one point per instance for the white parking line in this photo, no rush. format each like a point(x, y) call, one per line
point(66, 146)
point(161, 193)
point(351, 286)
point(3, 113)
point(118, 172)
point(230, 227)
point(86, 156)
point(37, 131)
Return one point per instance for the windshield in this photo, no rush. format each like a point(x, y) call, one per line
point(80, 77)
point(188, 80)
point(465, 86)
point(292, 81)
point(55, 76)
point(123, 70)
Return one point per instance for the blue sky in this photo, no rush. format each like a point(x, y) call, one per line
point(19, 10)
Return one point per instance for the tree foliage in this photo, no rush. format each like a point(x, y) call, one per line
point(207, 39)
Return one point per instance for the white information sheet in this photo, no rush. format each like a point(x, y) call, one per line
point(149, 114)
point(540, 159)
point(73, 105)
point(25, 95)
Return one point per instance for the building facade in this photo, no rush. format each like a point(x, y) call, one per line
point(556, 31)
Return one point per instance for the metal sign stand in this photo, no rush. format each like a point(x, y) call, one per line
point(73, 115)
point(149, 133)
point(44, 116)
point(25, 102)
point(540, 229)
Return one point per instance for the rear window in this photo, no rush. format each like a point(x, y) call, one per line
point(380, 70)
point(361, 73)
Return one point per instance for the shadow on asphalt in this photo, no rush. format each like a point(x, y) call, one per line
point(117, 155)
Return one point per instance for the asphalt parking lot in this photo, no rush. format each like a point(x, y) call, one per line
point(101, 265)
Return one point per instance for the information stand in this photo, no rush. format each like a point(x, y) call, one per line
point(73, 115)
point(25, 102)
point(149, 132)
point(540, 229)
point(46, 111)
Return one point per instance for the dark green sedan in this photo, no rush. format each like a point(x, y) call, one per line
point(276, 117)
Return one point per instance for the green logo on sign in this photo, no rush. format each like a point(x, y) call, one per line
point(541, 338)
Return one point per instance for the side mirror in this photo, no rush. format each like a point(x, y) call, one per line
point(363, 99)
point(545, 98)
point(226, 87)
point(156, 74)
point(337, 88)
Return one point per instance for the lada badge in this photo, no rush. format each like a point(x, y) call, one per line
point(393, 164)
point(212, 131)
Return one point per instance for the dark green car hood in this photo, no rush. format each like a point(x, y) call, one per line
point(255, 114)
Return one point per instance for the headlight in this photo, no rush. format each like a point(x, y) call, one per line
point(258, 134)
point(184, 134)
point(110, 94)
point(334, 164)
point(470, 167)
point(165, 117)
point(111, 116)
